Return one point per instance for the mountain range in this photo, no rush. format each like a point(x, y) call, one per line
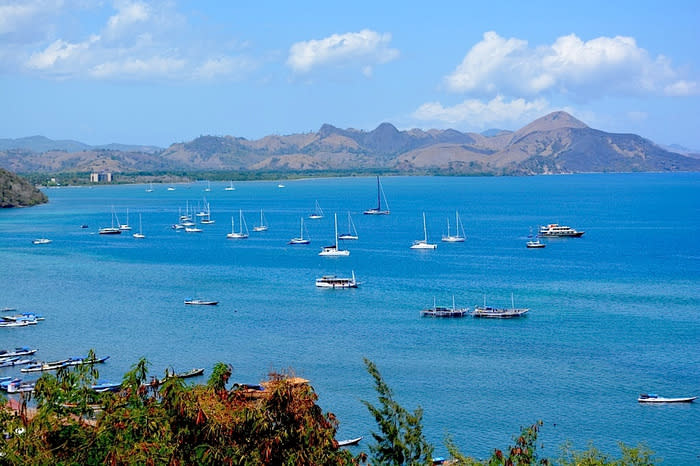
point(555, 143)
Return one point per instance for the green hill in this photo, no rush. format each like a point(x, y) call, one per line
point(15, 191)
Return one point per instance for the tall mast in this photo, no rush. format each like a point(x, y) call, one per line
point(379, 197)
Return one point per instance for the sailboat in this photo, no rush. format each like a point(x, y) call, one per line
point(230, 187)
point(208, 188)
point(125, 226)
point(140, 234)
point(317, 213)
point(150, 188)
point(333, 249)
point(423, 243)
point(206, 220)
point(110, 230)
point(240, 234)
point(378, 210)
point(352, 231)
point(499, 313)
point(300, 239)
point(459, 236)
point(262, 226)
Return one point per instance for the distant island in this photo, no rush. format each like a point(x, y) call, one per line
point(555, 143)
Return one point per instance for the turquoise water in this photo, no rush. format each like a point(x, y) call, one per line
point(613, 314)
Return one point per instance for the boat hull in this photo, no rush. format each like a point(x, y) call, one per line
point(659, 399)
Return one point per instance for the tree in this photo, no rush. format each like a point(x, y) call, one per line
point(400, 440)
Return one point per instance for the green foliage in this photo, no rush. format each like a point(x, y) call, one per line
point(400, 440)
point(640, 455)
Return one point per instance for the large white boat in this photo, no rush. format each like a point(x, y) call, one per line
point(554, 230)
point(351, 232)
point(262, 226)
point(459, 236)
point(442, 311)
point(331, 281)
point(333, 250)
point(499, 313)
point(423, 243)
point(242, 232)
point(300, 239)
point(378, 210)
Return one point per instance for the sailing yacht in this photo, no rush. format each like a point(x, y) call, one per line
point(333, 249)
point(206, 220)
point(111, 230)
point(378, 210)
point(125, 226)
point(423, 243)
point(300, 239)
point(317, 213)
point(459, 236)
point(140, 234)
point(262, 226)
point(242, 232)
point(150, 188)
point(352, 231)
point(230, 187)
point(208, 188)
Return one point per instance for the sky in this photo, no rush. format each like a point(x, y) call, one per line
point(160, 72)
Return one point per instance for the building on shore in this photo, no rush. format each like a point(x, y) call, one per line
point(104, 177)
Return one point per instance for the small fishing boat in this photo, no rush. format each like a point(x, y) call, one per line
point(20, 351)
point(105, 386)
point(185, 375)
point(41, 241)
point(21, 386)
point(352, 441)
point(654, 398)
point(536, 244)
point(200, 302)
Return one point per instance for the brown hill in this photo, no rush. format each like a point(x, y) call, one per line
point(555, 143)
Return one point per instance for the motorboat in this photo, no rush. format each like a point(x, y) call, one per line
point(20, 351)
point(554, 230)
point(654, 398)
point(41, 241)
point(535, 244)
point(349, 442)
point(332, 281)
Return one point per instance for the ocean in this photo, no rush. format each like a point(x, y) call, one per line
point(613, 314)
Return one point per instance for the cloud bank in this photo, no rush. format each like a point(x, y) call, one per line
point(362, 50)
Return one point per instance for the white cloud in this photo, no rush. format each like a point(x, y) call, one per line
point(128, 13)
point(582, 70)
point(480, 114)
point(362, 49)
point(59, 50)
point(160, 67)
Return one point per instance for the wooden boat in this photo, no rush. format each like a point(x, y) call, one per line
point(20, 351)
point(654, 398)
point(352, 441)
point(442, 311)
point(200, 302)
point(104, 386)
point(499, 313)
point(185, 375)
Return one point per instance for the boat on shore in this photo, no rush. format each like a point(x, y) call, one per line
point(196, 372)
point(499, 313)
point(654, 398)
point(554, 230)
point(442, 311)
point(332, 281)
point(54, 365)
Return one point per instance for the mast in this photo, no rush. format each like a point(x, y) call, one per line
point(379, 197)
point(425, 230)
point(335, 217)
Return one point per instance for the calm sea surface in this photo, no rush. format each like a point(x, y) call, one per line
point(613, 314)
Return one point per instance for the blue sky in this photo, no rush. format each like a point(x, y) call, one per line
point(159, 72)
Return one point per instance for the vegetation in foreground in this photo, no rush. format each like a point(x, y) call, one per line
point(278, 423)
